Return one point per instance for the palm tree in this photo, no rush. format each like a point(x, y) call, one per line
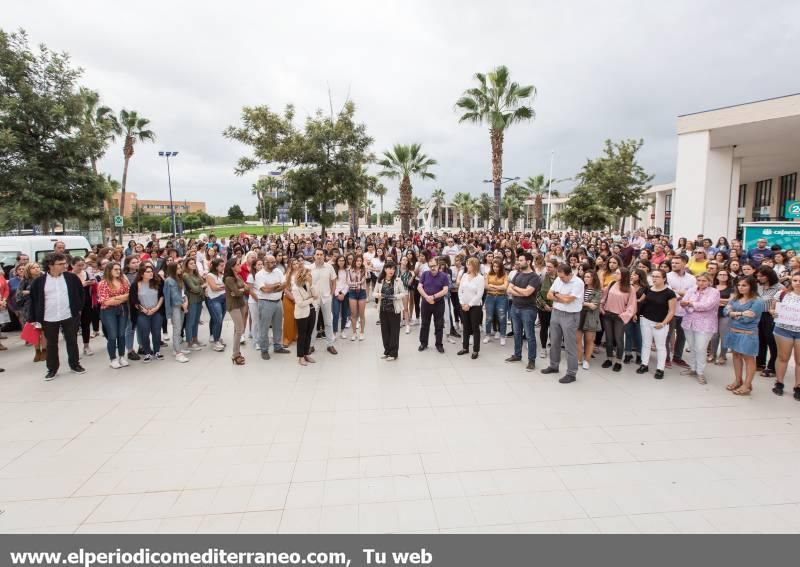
point(439, 199)
point(537, 188)
point(513, 203)
point(134, 128)
point(380, 190)
point(370, 204)
point(401, 163)
point(465, 205)
point(417, 205)
point(100, 127)
point(499, 102)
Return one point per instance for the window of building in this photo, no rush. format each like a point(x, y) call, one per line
point(667, 213)
point(788, 189)
point(763, 198)
point(743, 195)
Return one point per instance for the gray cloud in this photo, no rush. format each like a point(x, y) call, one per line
point(603, 70)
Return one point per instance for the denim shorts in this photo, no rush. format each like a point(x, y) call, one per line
point(357, 295)
point(787, 334)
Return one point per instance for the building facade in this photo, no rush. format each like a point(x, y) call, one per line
point(153, 206)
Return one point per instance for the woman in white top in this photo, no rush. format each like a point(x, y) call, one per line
point(341, 303)
point(470, 296)
point(252, 300)
point(215, 302)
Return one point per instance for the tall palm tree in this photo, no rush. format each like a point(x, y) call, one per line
point(465, 205)
point(401, 163)
point(439, 200)
point(499, 102)
point(134, 128)
point(417, 204)
point(100, 128)
point(513, 203)
point(379, 190)
point(537, 188)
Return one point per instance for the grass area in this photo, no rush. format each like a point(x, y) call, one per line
point(228, 231)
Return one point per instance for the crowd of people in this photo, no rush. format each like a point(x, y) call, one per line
point(634, 298)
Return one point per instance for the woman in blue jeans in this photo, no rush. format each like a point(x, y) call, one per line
point(341, 303)
point(146, 305)
point(633, 333)
point(496, 300)
point(215, 301)
point(112, 295)
point(195, 291)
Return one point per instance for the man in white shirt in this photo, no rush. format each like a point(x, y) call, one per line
point(323, 279)
point(451, 250)
point(269, 287)
point(680, 281)
point(566, 293)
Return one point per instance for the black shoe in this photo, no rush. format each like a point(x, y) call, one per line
point(311, 350)
point(531, 366)
point(51, 374)
point(320, 334)
point(617, 367)
point(454, 333)
point(638, 359)
point(440, 348)
point(778, 389)
point(474, 355)
point(265, 355)
point(549, 370)
point(281, 350)
point(133, 356)
point(422, 347)
point(463, 351)
point(643, 369)
point(78, 369)
point(510, 334)
point(627, 359)
point(797, 393)
point(568, 379)
point(659, 375)
point(140, 351)
point(606, 364)
point(513, 358)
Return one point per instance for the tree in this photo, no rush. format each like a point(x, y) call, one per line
point(134, 129)
point(484, 208)
point(617, 179)
point(537, 187)
point(402, 162)
point(379, 190)
point(585, 211)
point(465, 205)
point(501, 103)
point(235, 213)
point(417, 205)
point(513, 203)
point(45, 151)
point(439, 199)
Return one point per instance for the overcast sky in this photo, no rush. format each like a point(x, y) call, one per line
point(611, 69)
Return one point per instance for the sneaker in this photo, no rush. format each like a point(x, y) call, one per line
point(195, 347)
point(688, 372)
point(158, 356)
point(543, 354)
point(643, 369)
point(531, 366)
point(201, 345)
point(361, 337)
point(607, 364)
point(568, 379)
point(218, 347)
point(617, 367)
point(114, 364)
point(265, 355)
point(51, 375)
point(408, 330)
point(257, 346)
point(391, 358)
point(78, 369)
point(549, 370)
point(486, 339)
point(354, 337)
point(242, 341)
point(701, 379)
point(180, 357)
point(133, 356)
point(513, 358)
point(627, 359)
point(347, 324)
point(585, 365)
point(140, 351)
point(502, 341)
point(122, 362)
point(87, 351)
point(147, 358)
point(659, 375)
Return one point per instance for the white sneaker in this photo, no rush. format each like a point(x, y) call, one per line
point(361, 337)
point(257, 346)
point(219, 347)
point(585, 365)
point(242, 341)
point(486, 339)
point(115, 364)
point(502, 341)
point(87, 351)
point(180, 357)
point(195, 347)
point(354, 337)
point(123, 361)
point(543, 354)
point(347, 324)
point(342, 336)
point(408, 329)
point(497, 335)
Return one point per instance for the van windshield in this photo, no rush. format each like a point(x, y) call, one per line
point(9, 257)
point(80, 252)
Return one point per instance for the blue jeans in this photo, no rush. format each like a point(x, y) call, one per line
point(148, 326)
point(115, 323)
point(216, 308)
point(129, 332)
point(341, 309)
point(633, 338)
point(525, 320)
point(193, 322)
point(496, 306)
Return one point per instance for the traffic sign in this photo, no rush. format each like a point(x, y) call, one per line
point(118, 223)
point(792, 210)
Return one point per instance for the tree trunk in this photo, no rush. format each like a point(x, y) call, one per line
point(127, 152)
point(538, 210)
point(405, 205)
point(353, 220)
point(496, 137)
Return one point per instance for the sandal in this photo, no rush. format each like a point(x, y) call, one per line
point(733, 387)
point(302, 362)
point(238, 360)
point(768, 373)
point(742, 391)
point(777, 389)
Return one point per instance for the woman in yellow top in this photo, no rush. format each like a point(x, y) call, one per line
point(609, 275)
point(698, 263)
point(496, 300)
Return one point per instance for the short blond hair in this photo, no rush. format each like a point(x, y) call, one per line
point(473, 263)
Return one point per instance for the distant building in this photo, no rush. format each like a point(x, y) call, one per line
point(155, 207)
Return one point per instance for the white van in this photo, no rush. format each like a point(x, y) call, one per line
point(37, 247)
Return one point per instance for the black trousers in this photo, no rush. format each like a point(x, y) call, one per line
point(766, 341)
point(615, 335)
point(472, 327)
point(455, 308)
point(413, 307)
point(437, 312)
point(70, 329)
point(86, 323)
point(305, 328)
point(544, 326)
point(390, 332)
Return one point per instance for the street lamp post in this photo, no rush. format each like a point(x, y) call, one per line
point(503, 181)
point(169, 182)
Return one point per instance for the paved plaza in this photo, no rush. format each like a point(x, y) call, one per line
point(429, 443)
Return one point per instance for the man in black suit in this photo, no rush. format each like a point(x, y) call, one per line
point(56, 301)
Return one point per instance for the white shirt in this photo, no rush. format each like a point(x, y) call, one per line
point(680, 284)
point(377, 265)
point(341, 282)
point(575, 288)
point(264, 278)
point(219, 283)
point(251, 280)
point(56, 299)
point(470, 292)
point(451, 251)
point(321, 278)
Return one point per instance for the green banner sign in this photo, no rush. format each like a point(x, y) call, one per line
point(787, 236)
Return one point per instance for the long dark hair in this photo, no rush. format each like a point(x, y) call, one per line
point(624, 282)
point(752, 285)
point(229, 266)
point(382, 276)
point(172, 272)
point(214, 264)
point(155, 283)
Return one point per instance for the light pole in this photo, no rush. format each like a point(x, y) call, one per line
point(169, 181)
point(503, 181)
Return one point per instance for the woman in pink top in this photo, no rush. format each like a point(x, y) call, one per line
point(701, 303)
point(618, 306)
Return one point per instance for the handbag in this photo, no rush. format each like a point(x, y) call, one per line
point(30, 334)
